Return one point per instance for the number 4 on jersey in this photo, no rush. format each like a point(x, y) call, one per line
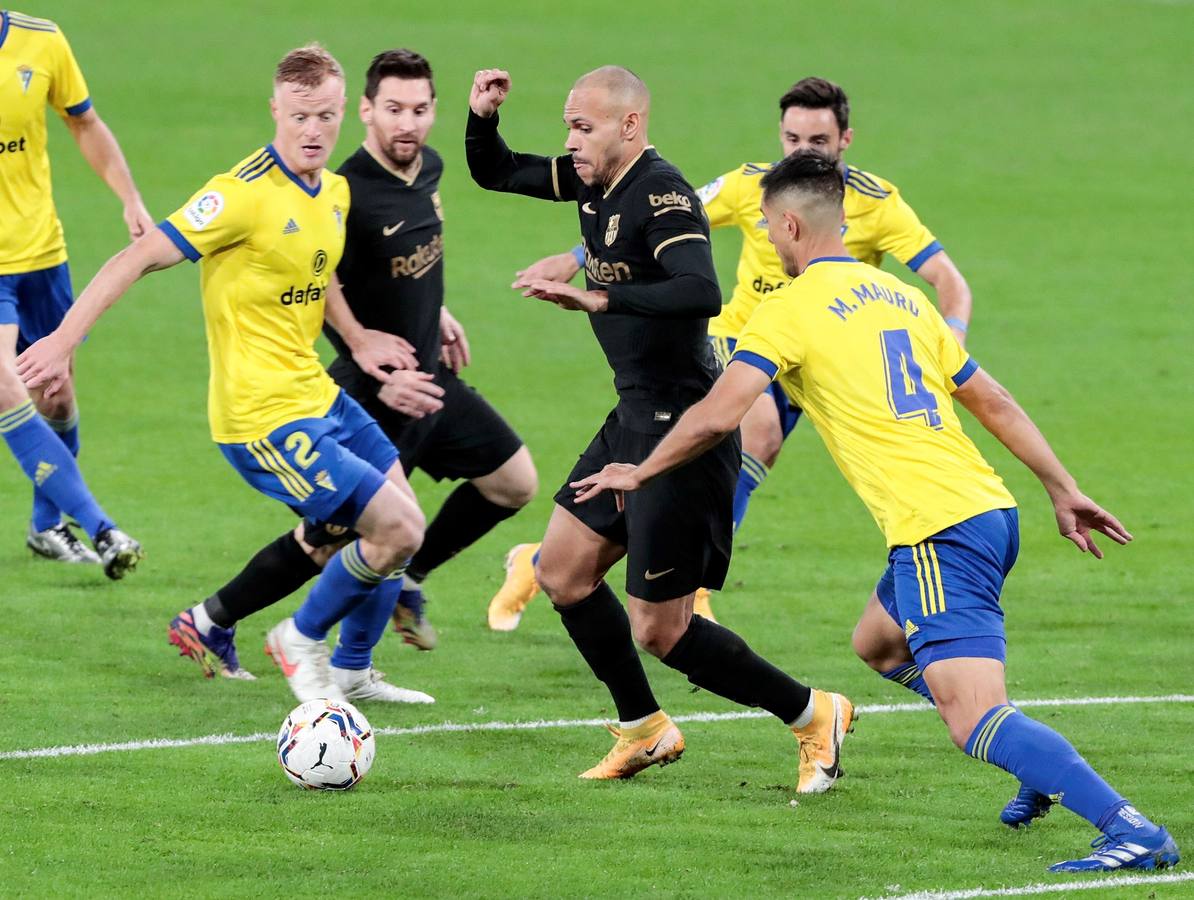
point(906, 391)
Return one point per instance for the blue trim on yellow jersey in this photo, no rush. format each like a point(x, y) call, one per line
point(176, 238)
point(251, 163)
point(309, 191)
point(3, 27)
point(79, 108)
point(258, 169)
point(924, 255)
point(864, 184)
point(821, 259)
point(31, 24)
point(756, 169)
point(964, 373)
point(762, 363)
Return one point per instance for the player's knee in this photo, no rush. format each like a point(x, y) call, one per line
point(60, 406)
point(12, 391)
point(763, 444)
point(656, 636)
point(878, 653)
point(560, 585)
point(514, 485)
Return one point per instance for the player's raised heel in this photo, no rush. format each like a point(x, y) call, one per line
point(657, 742)
point(118, 552)
point(60, 544)
point(214, 653)
point(821, 742)
point(183, 635)
point(1155, 852)
point(410, 620)
point(519, 588)
point(1025, 808)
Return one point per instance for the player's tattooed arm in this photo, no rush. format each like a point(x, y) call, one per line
point(1077, 515)
point(371, 349)
point(46, 364)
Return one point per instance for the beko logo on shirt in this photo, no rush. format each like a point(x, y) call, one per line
point(301, 296)
point(672, 198)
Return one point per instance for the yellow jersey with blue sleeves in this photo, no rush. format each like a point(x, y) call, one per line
point(878, 221)
point(37, 69)
point(872, 363)
point(267, 245)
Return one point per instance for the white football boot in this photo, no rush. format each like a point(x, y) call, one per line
point(60, 543)
point(370, 684)
point(306, 663)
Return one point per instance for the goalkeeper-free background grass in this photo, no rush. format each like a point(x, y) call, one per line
point(1047, 147)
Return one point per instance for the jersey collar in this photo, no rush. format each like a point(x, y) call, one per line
point(821, 259)
point(409, 182)
point(648, 152)
point(309, 191)
point(3, 26)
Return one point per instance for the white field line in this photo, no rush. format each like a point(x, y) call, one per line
point(219, 740)
point(1049, 887)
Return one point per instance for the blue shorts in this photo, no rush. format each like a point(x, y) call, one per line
point(325, 469)
point(789, 412)
point(36, 302)
point(944, 592)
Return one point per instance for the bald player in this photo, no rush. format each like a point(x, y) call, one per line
point(650, 290)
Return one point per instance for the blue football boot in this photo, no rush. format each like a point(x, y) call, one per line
point(1025, 808)
point(1132, 851)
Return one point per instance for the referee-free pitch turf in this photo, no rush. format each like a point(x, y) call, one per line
point(1047, 148)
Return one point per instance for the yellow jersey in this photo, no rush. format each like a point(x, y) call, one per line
point(267, 245)
point(36, 68)
point(878, 221)
point(872, 363)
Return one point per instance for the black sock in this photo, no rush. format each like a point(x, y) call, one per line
point(277, 571)
point(465, 517)
point(718, 660)
point(600, 628)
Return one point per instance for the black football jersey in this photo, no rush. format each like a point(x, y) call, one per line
point(656, 341)
point(392, 270)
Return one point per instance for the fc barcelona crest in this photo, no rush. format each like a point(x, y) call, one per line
point(611, 229)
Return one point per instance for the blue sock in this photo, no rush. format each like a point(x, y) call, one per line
point(1046, 762)
point(51, 467)
point(909, 675)
point(345, 583)
point(750, 476)
point(364, 626)
point(45, 512)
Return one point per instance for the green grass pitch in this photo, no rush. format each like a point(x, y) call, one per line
point(1046, 145)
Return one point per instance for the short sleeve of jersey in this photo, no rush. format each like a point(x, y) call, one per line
point(218, 216)
point(672, 213)
point(903, 235)
point(720, 198)
point(770, 341)
point(68, 91)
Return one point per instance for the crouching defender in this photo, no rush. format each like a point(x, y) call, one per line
point(874, 366)
point(268, 235)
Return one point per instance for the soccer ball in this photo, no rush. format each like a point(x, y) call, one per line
point(326, 745)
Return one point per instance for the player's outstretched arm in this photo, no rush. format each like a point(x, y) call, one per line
point(46, 363)
point(1077, 515)
point(371, 349)
point(99, 147)
point(703, 425)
